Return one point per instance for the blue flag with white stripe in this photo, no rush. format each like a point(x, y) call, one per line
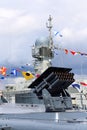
point(14, 72)
point(76, 86)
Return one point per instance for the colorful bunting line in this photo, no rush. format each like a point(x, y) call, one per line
point(74, 52)
point(71, 51)
point(78, 85)
point(14, 72)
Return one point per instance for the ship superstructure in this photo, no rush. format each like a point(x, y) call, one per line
point(42, 51)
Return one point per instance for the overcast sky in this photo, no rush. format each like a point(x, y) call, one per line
point(23, 21)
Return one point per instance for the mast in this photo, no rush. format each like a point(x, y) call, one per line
point(42, 51)
point(49, 26)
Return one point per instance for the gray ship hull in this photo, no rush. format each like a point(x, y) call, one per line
point(45, 121)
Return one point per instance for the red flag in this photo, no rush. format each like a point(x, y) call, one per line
point(66, 51)
point(82, 83)
point(73, 52)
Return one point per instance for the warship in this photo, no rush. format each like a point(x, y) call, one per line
point(46, 103)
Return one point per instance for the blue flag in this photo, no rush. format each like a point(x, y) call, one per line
point(76, 85)
point(58, 33)
point(2, 78)
point(14, 72)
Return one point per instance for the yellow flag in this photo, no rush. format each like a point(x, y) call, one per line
point(27, 75)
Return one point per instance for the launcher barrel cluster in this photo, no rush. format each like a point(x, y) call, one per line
point(54, 80)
